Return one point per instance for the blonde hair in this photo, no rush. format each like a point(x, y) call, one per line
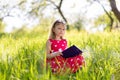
point(52, 34)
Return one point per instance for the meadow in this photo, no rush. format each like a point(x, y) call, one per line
point(23, 57)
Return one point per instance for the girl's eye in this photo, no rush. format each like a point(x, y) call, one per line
point(59, 28)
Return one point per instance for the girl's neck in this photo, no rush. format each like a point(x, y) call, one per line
point(57, 38)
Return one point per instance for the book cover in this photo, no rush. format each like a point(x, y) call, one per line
point(71, 52)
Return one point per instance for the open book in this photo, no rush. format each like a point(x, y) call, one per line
point(71, 52)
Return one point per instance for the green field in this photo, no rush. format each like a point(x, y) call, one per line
point(23, 57)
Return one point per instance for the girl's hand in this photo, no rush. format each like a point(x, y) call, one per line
point(56, 54)
point(59, 53)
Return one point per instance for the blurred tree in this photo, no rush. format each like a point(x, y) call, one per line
point(58, 7)
point(115, 9)
point(33, 8)
point(111, 20)
point(104, 20)
point(5, 11)
point(39, 6)
point(79, 23)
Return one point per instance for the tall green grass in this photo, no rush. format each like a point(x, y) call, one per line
point(24, 58)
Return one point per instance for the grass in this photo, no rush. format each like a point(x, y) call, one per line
point(23, 58)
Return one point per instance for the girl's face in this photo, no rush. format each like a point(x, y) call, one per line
point(59, 30)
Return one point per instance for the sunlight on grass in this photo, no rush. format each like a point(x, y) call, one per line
point(23, 58)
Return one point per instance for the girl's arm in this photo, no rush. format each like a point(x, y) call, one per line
point(48, 51)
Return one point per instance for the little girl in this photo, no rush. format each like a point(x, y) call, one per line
point(55, 45)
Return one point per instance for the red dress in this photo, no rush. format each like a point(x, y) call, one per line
point(59, 63)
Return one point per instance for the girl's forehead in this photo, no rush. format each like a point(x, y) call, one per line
point(61, 26)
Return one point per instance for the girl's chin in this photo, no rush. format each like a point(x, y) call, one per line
point(60, 35)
